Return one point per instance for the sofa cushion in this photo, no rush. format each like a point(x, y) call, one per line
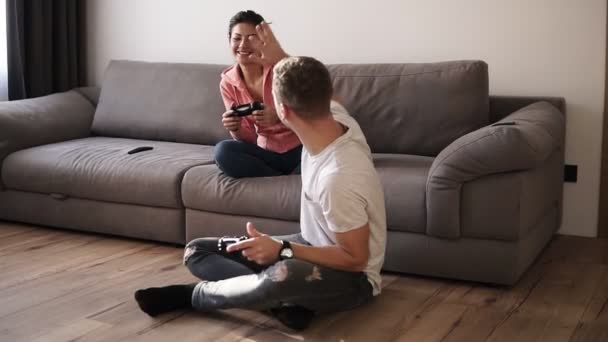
point(101, 169)
point(403, 177)
point(414, 108)
point(209, 189)
point(161, 101)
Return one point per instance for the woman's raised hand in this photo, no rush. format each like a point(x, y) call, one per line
point(270, 51)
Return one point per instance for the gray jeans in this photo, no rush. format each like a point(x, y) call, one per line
point(232, 281)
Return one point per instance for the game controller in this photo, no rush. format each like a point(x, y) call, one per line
point(247, 109)
point(224, 242)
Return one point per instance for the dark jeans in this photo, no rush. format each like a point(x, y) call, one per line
point(232, 281)
point(240, 159)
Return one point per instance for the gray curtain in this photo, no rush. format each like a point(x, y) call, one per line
point(45, 43)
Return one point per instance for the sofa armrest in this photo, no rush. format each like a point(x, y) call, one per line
point(43, 120)
point(521, 141)
point(501, 106)
point(90, 93)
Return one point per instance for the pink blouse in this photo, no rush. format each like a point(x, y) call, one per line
point(277, 138)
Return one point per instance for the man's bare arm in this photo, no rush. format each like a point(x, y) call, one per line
point(351, 252)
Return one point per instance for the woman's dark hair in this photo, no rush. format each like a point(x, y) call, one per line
point(249, 17)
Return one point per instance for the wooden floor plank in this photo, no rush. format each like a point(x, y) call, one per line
point(90, 253)
point(200, 327)
point(44, 288)
point(476, 324)
point(8, 229)
point(66, 286)
point(435, 324)
point(87, 301)
point(17, 242)
point(593, 326)
point(554, 307)
point(71, 331)
point(577, 249)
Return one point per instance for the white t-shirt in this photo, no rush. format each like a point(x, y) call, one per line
point(341, 191)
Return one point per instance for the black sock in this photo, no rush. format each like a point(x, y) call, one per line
point(293, 316)
point(157, 300)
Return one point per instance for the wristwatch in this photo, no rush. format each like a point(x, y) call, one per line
point(286, 252)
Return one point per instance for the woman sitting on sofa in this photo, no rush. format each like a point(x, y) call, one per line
point(262, 146)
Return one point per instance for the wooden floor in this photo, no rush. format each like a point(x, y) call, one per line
point(63, 286)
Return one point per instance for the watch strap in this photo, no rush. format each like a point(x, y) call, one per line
point(286, 245)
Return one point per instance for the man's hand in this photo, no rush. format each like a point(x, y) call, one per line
point(259, 248)
point(266, 117)
point(270, 50)
point(231, 122)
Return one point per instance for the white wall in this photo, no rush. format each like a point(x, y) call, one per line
point(533, 47)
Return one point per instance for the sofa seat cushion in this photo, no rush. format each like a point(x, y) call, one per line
point(403, 177)
point(100, 168)
point(209, 189)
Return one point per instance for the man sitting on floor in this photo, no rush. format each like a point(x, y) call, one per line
point(334, 263)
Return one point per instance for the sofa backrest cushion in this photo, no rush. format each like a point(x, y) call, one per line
point(161, 101)
point(414, 108)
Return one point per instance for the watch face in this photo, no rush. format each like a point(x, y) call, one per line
point(287, 253)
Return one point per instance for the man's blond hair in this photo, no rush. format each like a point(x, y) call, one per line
point(304, 85)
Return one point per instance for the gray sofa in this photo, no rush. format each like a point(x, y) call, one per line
point(472, 182)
